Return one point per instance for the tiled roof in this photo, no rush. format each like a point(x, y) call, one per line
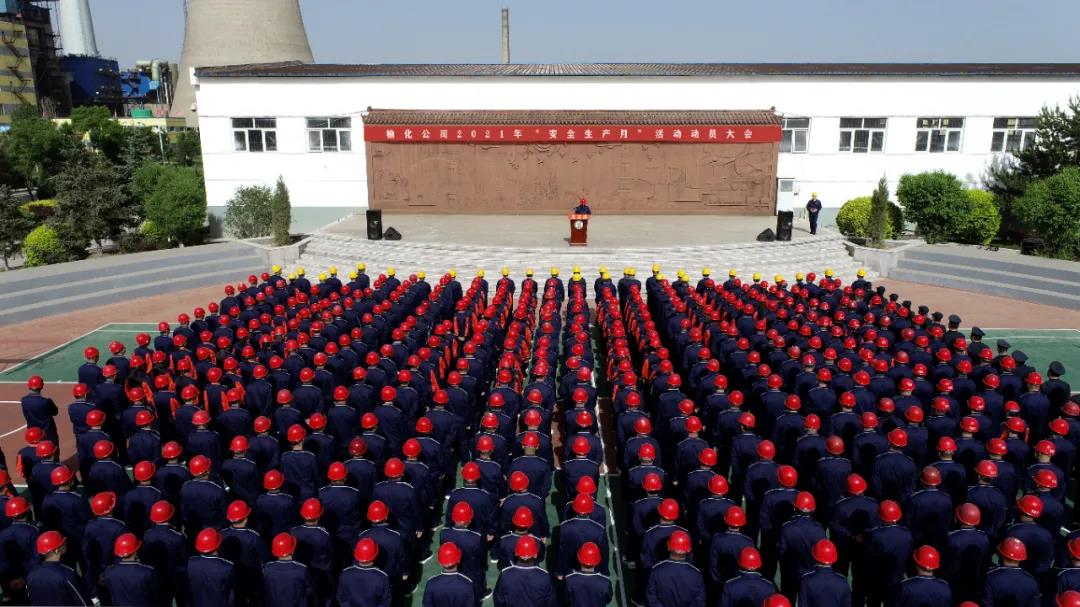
point(577, 117)
point(453, 70)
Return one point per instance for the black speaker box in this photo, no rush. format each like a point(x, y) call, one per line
point(374, 224)
point(784, 221)
point(392, 234)
point(766, 235)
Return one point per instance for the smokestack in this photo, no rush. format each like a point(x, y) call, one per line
point(505, 35)
point(230, 32)
point(77, 28)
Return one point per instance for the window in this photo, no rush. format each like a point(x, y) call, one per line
point(254, 134)
point(938, 134)
point(794, 134)
point(862, 135)
point(329, 134)
point(1012, 134)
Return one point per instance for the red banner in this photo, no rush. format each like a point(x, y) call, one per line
point(571, 134)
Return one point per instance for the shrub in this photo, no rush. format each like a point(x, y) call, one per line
point(174, 201)
point(152, 232)
point(248, 213)
point(879, 214)
point(43, 246)
point(935, 202)
point(282, 214)
point(981, 222)
point(854, 218)
point(39, 209)
point(1051, 207)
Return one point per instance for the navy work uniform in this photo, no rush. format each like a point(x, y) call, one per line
point(363, 586)
point(748, 589)
point(588, 589)
point(165, 549)
point(965, 558)
point(202, 504)
point(924, 591)
point(823, 587)
point(524, 586)
point(211, 581)
point(287, 583)
point(130, 583)
point(675, 583)
point(55, 583)
point(449, 589)
point(1008, 586)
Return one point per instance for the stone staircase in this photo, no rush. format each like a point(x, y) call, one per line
point(785, 258)
point(32, 293)
point(1003, 273)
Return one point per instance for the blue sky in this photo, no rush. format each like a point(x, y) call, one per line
point(433, 31)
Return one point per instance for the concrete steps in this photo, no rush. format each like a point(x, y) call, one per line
point(1029, 279)
point(33, 293)
point(784, 258)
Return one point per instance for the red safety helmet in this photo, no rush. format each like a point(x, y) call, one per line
point(824, 552)
point(199, 465)
point(969, 514)
point(50, 541)
point(144, 471)
point(16, 506)
point(311, 509)
point(749, 558)
point(804, 501)
point(207, 541)
point(652, 483)
point(449, 555)
point(238, 510)
point(1046, 478)
point(103, 449)
point(856, 484)
point(898, 438)
point(889, 511)
point(523, 518)
point(927, 557)
point(583, 504)
point(470, 472)
point(1030, 505)
point(766, 450)
point(986, 468)
point(930, 476)
point(735, 517)
point(589, 555)
point(787, 476)
point(526, 547)
point(1012, 549)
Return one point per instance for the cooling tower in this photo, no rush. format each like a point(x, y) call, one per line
point(77, 28)
point(228, 32)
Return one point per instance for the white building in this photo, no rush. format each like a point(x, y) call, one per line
point(845, 125)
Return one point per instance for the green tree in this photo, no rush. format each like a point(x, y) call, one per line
point(104, 133)
point(14, 225)
point(186, 149)
point(879, 214)
point(93, 199)
point(981, 222)
point(35, 148)
point(281, 214)
point(934, 201)
point(1051, 206)
point(248, 214)
point(173, 201)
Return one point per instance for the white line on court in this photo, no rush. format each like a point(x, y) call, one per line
point(1028, 329)
point(51, 350)
point(19, 429)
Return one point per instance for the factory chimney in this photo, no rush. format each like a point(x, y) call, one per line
point(505, 35)
point(233, 32)
point(77, 28)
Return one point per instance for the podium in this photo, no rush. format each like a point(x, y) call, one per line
point(579, 230)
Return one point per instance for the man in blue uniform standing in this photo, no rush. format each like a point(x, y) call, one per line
point(286, 582)
point(585, 587)
point(52, 582)
point(39, 410)
point(525, 583)
point(675, 582)
point(449, 588)
point(363, 584)
point(823, 587)
point(127, 581)
point(211, 579)
point(582, 208)
point(923, 589)
point(1008, 584)
point(813, 209)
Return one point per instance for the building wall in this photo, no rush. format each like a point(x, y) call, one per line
point(340, 179)
point(16, 72)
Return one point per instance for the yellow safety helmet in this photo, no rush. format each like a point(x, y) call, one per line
point(421, 275)
point(554, 271)
point(333, 270)
point(529, 272)
point(656, 268)
point(659, 276)
point(861, 273)
point(322, 276)
point(604, 275)
point(353, 275)
point(390, 271)
point(276, 269)
point(813, 194)
point(300, 271)
point(633, 271)
point(757, 276)
point(505, 271)
point(452, 273)
point(577, 270)
point(361, 266)
point(777, 278)
point(705, 271)
point(603, 269)
point(292, 276)
point(799, 276)
point(732, 273)
point(828, 272)
point(480, 272)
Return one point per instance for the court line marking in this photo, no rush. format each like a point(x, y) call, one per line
point(1029, 329)
point(15, 431)
point(51, 350)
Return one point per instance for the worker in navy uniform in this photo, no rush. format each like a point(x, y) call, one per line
point(393, 554)
point(245, 548)
point(813, 209)
point(240, 474)
point(37, 462)
point(712, 509)
point(823, 587)
point(53, 582)
point(39, 411)
point(264, 449)
point(342, 508)
point(203, 440)
point(675, 582)
point(105, 474)
point(98, 537)
point(363, 584)
point(1068, 576)
point(748, 588)
point(582, 208)
point(851, 517)
point(1056, 389)
point(66, 511)
point(797, 540)
point(574, 532)
point(128, 581)
point(585, 587)
point(518, 499)
point(929, 510)
point(89, 372)
point(203, 502)
point(18, 550)
point(1038, 541)
point(484, 504)
point(967, 555)
point(777, 508)
point(165, 549)
point(78, 409)
point(315, 548)
point(991, 502)
point(1008, 584)
point(449, 588)
point(923, 589)
point(402, 498)
point(471, 544)
point(145, 443)
point(525, 583)
point(299, 466)
point(211, 578)
point(830, 480)
point(1035, 406)
point(888, 547)
point(277, 510)
point(894, 472)
point(285, 581)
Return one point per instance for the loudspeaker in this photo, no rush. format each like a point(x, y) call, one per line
point(374, 224)
point(392, 234)
point(766, 235)
point(784, 221)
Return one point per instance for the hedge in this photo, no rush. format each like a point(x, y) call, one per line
point(1051, 207)
point(853, 219)
point(43, 246)
point(935, 202)
point(979, 225)
point(39, 209)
